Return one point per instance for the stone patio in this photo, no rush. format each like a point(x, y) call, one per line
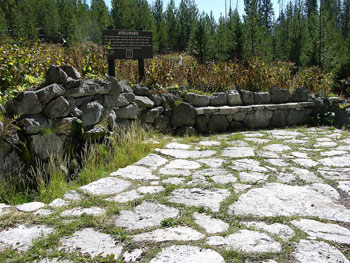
point(269, 196)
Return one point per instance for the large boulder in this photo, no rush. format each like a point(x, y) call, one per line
point(234, 98)
point(71, 71)
point(143, 102)
point(218, 123)
point(247, 97)
point(90, 87)
point(47, 144)
point(128, 112)
point(95, 134)
point(218, 99)
point(157, 99)
point(58, 108)
point(49, 93)
point(64, 126)
point(35, 124)
point(26, 103)
point(140, 90)
point(162, 123)
point(279, 95)
point(258, 119)
point(151, 115)
point(92, 113)
point(201, 123)
point(184, 114)
point(55, 75)
point(197, 100)
point(300, 94)
point(262, 98)
point(279, 118)
point(295, 116)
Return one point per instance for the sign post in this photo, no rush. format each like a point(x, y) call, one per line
point(128, 44)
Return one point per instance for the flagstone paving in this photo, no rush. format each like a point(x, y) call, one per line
point(262, 196)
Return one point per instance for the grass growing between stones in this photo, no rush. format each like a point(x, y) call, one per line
point(123, 148)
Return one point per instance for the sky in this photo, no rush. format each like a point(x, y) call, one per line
point(217, 6)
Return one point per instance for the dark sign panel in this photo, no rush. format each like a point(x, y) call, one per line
point(127, 44)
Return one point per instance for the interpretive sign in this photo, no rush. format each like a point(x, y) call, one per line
point(127, 44)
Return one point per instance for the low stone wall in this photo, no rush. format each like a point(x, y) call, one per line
point(66, 111)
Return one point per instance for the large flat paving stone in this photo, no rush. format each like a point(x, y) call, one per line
point(248, 165)
point(211, 225)
point(186, 154)
point(53, 260)
point(247, 241)
point(277, 148)
point(145, 215)
point(152, 161)
point(125, 197)
point(135, 172)
point(331, 232)
point(317, 252)
point(187, 254)
point(94, 243)
point(276, 199)
point(282, 231)
point(344, 186)
point(335, 173)
point(182, 164)
point(337, 161)
point(106, 186)
point(22, 236)
point(238, 152)
point(212, 162)
point(210, 198)
point(180, 233)
point(30, 207)
point(91, 211)
point(176, 145)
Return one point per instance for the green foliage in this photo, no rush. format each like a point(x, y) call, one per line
point(169, 222)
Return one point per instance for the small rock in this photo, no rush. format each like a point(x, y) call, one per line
point(55, 75)
point(71, 71)
point(58, 108)
point(300, 94)
point(72, 196)
point(92, 113)
point(234, 98)
point(262, 98)
point(218, 99)
point(247, 97)
point(279, 95)
point(26, 103)
point(143, 102)
point(49, 93)
point(140, 90)
point(30, 207)
point(197, 100)
point(58, 203)
point(128, 112)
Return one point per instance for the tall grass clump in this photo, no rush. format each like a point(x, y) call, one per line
point(49, 180)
